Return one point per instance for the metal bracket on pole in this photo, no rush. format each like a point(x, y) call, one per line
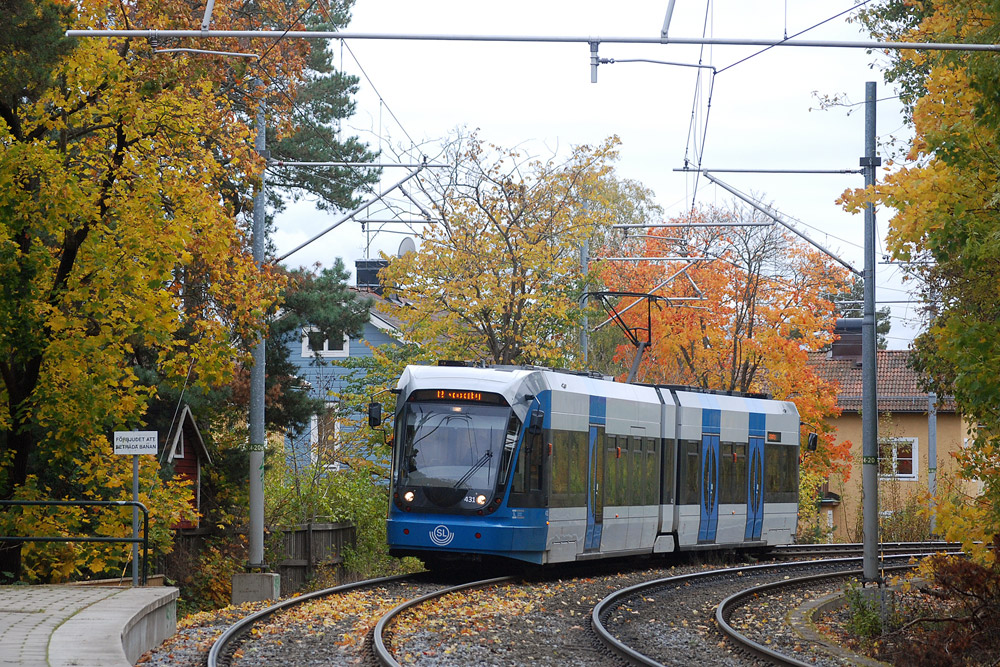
point(666, 20)
point(632, 333)
point(206, 20)
point(594, 61)
point(766, 210)
point(348, 216)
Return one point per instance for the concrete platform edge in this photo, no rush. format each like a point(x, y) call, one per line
point(801, 620)
point(117, 630)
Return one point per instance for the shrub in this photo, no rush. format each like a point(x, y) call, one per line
point(966, 628)
point(866, 608)
point(205, 575)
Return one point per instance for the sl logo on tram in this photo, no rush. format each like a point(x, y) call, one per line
point(441, 536)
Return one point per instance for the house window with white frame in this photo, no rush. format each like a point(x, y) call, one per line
point(324, 436)
point(898, 459)
point(330, 349)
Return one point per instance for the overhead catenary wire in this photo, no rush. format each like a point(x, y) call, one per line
point(284, 33)
point(708, 108)
point(379, 165)
point(346, 217)
point(380, 196)
point(380, 98)
point(769, 171)
point(766, 210)
point(692, 141)
point(788, 43)
point(801, 32)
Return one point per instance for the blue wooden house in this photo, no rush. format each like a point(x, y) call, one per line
point(324, 379)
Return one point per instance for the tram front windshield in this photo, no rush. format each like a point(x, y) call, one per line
point(451, 450)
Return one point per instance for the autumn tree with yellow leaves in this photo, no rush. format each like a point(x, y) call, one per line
point(497, 277)
point(945, 192)
point(126, 180)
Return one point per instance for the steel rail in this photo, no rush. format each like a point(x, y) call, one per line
point(379, 648)
point(725, 608)
point(792, 550)
point(604, 608)
point(822, 554)
point(833, 545)
point(237, 629)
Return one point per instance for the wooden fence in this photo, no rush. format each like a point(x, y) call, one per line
point(310, 546)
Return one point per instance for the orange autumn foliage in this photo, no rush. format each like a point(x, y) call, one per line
point(742, 315)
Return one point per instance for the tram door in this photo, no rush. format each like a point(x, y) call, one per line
point(755, 488)
point(595, 490)
point(709, 488)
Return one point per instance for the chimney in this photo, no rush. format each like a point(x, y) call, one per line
point(366, 273)
point(848, 346)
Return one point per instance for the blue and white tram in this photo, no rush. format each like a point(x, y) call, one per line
point(546, 467)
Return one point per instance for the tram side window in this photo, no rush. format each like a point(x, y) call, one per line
point(689, 473)
point(781, 473)
point(669, 447)
point(622, 468)
point(611, 465)
point(621, 464)
point(527, 487)
point(733, 477)
point(569, 469)
point(636, 473)
point(650, 471)
point(560, 469)
point(621, 497)
point(579, 444)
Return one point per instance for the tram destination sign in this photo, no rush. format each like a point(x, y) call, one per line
point(135, 442)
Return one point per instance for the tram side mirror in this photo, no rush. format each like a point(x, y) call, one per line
point(535, 422)
point(812, 441)
point(374, 414)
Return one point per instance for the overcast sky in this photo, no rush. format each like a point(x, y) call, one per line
point(764, 112)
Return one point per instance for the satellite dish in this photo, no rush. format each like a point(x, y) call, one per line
point(406, 246)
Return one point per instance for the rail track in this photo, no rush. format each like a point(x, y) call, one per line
point(725, 609)
point(381, 634)
point(750, 582)
point(608, 630)
point(800, 551)
point(221, 652)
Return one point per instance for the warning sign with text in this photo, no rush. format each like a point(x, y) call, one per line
point(135, 442)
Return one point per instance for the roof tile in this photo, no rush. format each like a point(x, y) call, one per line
point(897, 385)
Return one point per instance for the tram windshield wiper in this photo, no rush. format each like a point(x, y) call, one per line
point(476, 466)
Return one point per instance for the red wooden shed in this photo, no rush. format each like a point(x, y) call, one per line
point(187, 453)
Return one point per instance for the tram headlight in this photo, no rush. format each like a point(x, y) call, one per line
point(480, 499)
point(408, 496)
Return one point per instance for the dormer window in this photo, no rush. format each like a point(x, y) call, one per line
point(330, 349)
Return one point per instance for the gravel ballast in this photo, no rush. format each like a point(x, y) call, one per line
point(544, 621)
